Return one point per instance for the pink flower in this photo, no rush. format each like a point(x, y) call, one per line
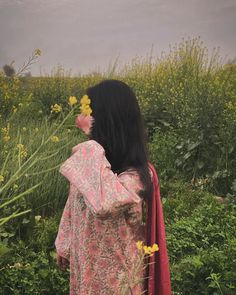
point(84, 122)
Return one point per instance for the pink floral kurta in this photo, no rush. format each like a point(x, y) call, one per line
point(101, 222)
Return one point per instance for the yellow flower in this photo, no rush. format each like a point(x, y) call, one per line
point(20, 146)
point(147, 250)
point(37, 52)
point(24, 153)
point(85, 105)
point(72, 100)
point(1, 178)
point(56, 108)
point(85, 99)
point(139, 245)
point(6, 138)
point(54, 138)
point(4, 130)
point(85, 109)
point(22, 149)
point(154, 248)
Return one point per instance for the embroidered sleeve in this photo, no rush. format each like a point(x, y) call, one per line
point(104, 192)
point(63, 238)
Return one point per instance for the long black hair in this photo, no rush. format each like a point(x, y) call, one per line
point(118, 127)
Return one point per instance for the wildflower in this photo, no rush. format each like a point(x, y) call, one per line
point(54, 138)
point(139, 245)
point(37, 52)
point(85, 99)
point(85, 105)
point(22, 150)
point(147, 249)
point(24, 153)
point(1, 178)
point(85, 109)
point(6, 138)
point(20, 146)
point(56, 108)
point(154, 248)
point(4, 130)
point(72, 100)
point(24, 129)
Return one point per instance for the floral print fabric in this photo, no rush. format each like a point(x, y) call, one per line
point(101, 222)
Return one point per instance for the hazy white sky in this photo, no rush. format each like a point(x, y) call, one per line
point(87, 35)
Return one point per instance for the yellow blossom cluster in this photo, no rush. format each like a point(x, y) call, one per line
point(147, 249)
point(56, 108)
point(22, 150)
point(85, 105)
point(72, 100)
point(5, 132)
point(1, 178)
point(54, 138)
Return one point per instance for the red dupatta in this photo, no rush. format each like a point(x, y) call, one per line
point(158, 282)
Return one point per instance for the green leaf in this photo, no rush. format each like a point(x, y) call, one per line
point(3, 249)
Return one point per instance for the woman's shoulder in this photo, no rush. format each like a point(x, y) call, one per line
point(88, 145)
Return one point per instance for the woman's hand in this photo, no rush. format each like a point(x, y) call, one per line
point(62, 262)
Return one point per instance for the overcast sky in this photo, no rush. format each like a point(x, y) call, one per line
point(87, 35)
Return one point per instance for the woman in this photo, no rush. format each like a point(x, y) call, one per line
point(110, 182)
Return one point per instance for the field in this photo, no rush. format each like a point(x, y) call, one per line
point(188, 101)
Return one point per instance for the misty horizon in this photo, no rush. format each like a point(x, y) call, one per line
point(85, 36)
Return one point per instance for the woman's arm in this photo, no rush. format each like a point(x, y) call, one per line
point(104, 192)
